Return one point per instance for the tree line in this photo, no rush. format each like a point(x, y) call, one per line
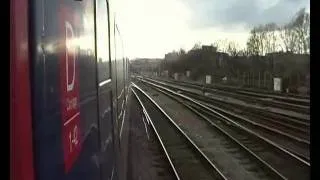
point(293, 37)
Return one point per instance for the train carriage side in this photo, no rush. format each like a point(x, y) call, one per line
point(74, 89)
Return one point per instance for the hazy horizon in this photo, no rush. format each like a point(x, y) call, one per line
point(153, 28)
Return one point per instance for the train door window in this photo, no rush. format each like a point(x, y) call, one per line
point(102, 28)
point(105, 94)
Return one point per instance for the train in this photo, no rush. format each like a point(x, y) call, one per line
point(69, 83)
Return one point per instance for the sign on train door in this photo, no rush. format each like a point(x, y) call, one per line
point(69, 88)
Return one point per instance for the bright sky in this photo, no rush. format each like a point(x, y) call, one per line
point(151, 28)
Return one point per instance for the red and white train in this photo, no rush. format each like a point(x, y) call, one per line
point(69, 83)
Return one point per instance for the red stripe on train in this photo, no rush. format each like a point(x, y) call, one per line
point(21, 150)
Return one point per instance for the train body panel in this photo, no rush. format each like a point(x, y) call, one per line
point(77, 89)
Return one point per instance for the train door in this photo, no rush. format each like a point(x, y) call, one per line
point(64, 90)
point(106, 124)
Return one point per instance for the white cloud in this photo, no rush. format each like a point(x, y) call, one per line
point(151, 28)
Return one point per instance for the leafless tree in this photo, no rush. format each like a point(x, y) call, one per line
point(270, 38)
point(302, 29)
point(197, 45)
point(182, 52)
point(289, 38)
point(233, 48)
point(295, 35)
point(243, 52)
point(222, 45)
point(254, 43)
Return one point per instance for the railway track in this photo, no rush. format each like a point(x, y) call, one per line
point(286, 97)
point(147, 157)
point(296, 127)
point(294, 133)
point(301, 125)
point(235, 160)
point(289, 103)
point(297, 122)
point(187, 160)
point(289, 164)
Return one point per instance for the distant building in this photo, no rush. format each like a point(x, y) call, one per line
point(286, 63)
point(145, 65)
